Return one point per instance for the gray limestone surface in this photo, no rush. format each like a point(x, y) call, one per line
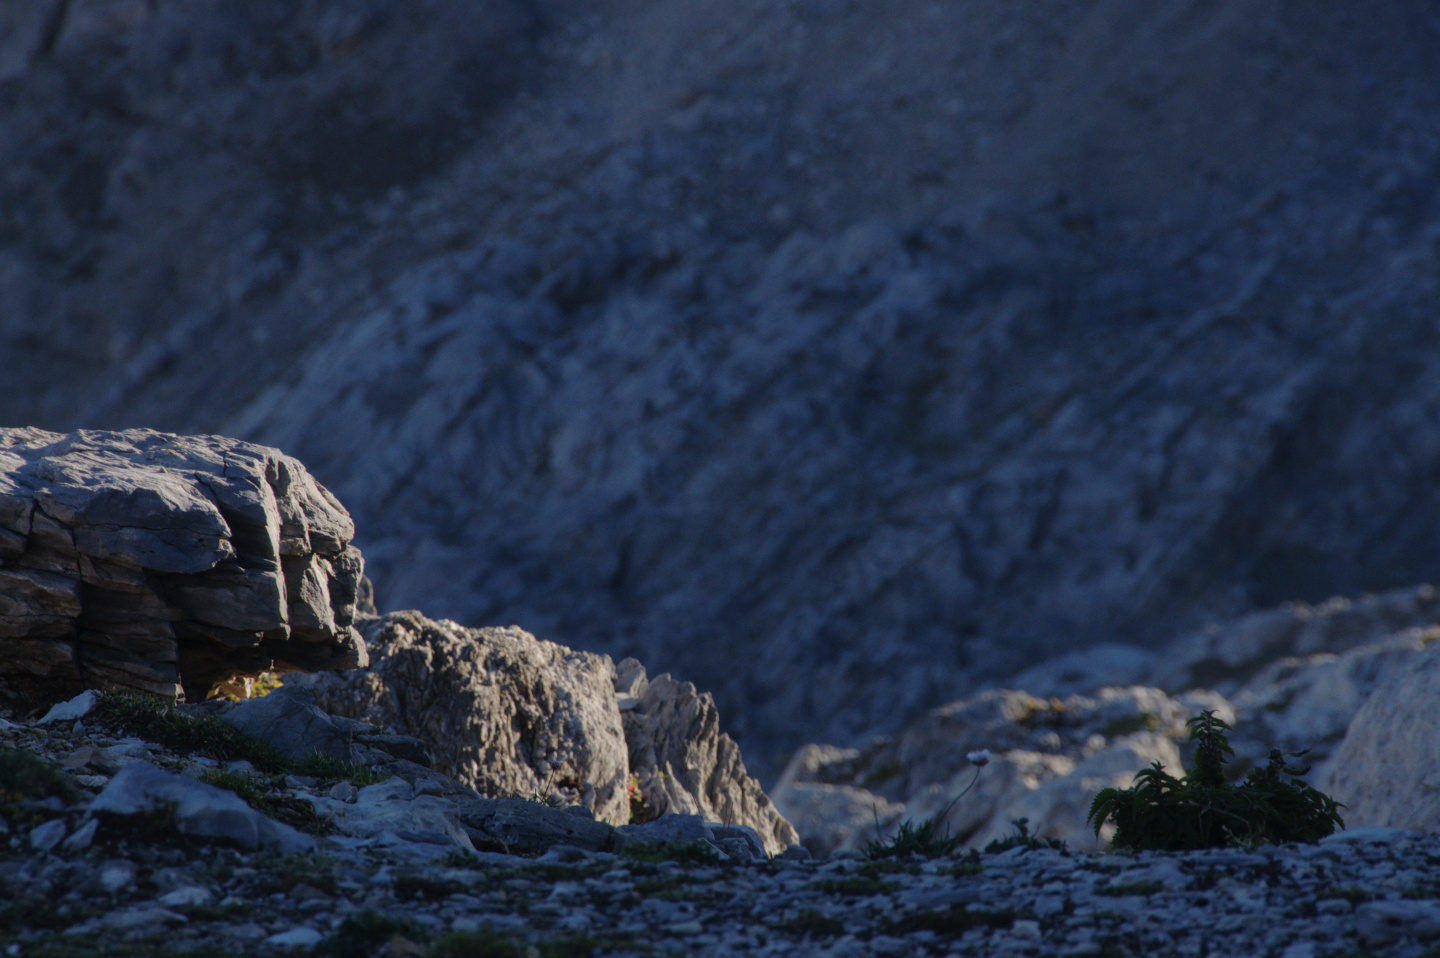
point(161, 562)
point(840, 358)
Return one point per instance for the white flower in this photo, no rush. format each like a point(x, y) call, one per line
point(981, 756)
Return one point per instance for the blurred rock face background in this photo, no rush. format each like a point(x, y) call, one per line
point(839, 357)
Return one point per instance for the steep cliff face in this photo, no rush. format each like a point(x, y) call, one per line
point(833, 356)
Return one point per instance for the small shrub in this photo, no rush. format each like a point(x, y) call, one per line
point(1021, 837)
point(1204, 810)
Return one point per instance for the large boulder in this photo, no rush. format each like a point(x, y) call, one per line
point(512, 715)
point(160, 562)
point(499, 710)
point(1387, 769)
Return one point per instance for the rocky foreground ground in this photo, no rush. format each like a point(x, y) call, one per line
point(132, 887)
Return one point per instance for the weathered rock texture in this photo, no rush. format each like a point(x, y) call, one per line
point(685, 765)
point(1387, 770)
point(837, 357)
point(511, 715)
point(1298, 677)
point(501, 711)
point(1050, 757)
point(164, 563)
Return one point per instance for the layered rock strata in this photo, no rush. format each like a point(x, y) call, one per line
point(166, 564)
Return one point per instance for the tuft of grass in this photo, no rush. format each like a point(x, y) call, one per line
point(488, 944)
point(1131, 888)
point(811, 924)
point(160, 721)
point(640, 810)
point(1130, 724)
point(1163, 813)
point(881, 775)
point(27, 777)
point(1021, 836)
point(329, 770)
point(686, 853)
point(242, 785)
point(418, 885)
point(874, 869)
point(371, 932)
point(280, 873)
point(856, 886)
point(951, 922)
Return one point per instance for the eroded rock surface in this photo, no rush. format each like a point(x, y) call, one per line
point(161, 563)
point(509, 714)
point(1387, 769)
point(1048, 759)
point(684, 764)
point(500, 710)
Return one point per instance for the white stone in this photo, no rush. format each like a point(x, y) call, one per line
point(301, 937)
point(75, 708)
point(185, 896)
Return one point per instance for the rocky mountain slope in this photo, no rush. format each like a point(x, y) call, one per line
point(837, 357)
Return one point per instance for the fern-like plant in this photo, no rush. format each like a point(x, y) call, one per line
point(1163, 813)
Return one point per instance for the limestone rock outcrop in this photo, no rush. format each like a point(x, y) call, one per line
point(501, 711)
point(685, 765)
point(162, 562)
point(512, 715)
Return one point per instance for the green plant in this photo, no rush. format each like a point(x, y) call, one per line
point(371, 932)
point(1204, 810)
point(855, 886)
point(487, 944)
point(410, 885)
point(688, 853)
point(950, 923)
point(1021, 836)
point(330, 769)
point(930, 838)
point(811, 924)
point(640, 810)
point(242, 785)
point(160, 721)
point(1131, 888)
point(28, 777)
